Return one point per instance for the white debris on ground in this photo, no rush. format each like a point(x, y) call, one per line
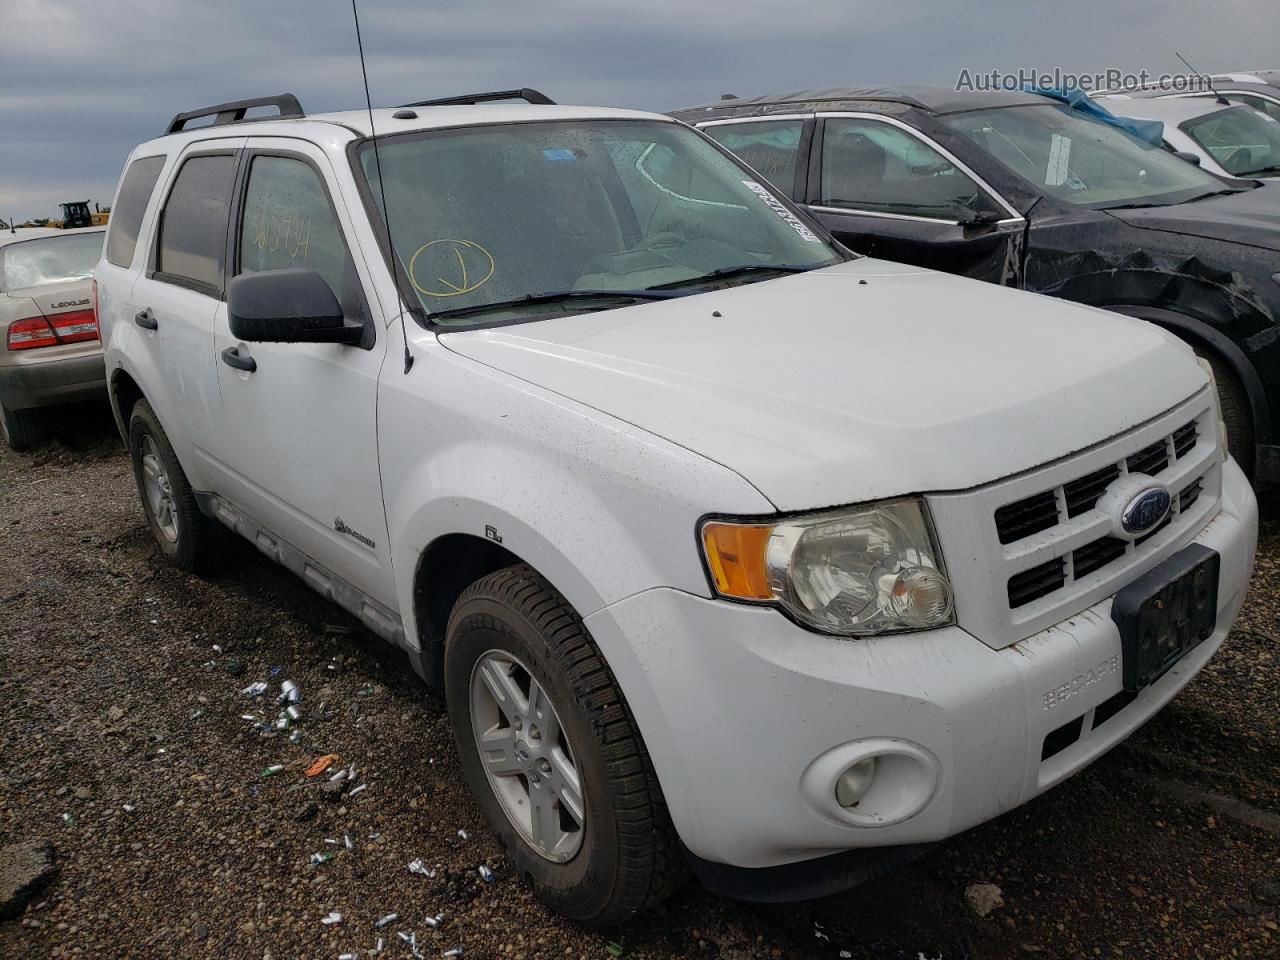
point(983, 898)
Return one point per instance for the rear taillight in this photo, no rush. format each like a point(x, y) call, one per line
point(76, 326)
point(97, 320)
point(31, 333)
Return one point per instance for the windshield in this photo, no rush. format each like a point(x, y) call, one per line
point(1082, 161)
point(1242, 140)
point(29, 263)
point(482, 217)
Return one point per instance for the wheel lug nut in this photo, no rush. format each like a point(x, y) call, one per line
point(534, 734)
point(544, 767)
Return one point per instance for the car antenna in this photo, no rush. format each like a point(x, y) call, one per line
point(382, 190)
point(1214, 90)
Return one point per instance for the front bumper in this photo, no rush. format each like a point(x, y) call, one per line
point(747, 716)
point(62, 375)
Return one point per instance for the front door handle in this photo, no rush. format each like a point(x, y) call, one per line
point(232, 357)
point(146, 319)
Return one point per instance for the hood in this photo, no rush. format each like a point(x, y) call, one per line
point(1251, 217)
point(856, 382)
point(58, 297)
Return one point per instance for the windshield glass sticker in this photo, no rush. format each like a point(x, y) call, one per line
point(776, 205)
point(459, 266)
point(1059, 154)
point(559, 155)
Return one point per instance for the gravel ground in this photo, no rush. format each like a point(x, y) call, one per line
point(120, 685)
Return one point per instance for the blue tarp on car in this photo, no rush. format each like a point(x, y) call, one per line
point(1152, 131)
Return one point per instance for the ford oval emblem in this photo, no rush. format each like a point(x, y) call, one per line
point(1145, 511)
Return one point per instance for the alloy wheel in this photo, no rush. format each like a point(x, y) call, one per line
point(526, 755)
point(158, 490)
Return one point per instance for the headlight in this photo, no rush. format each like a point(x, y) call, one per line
point(858, 571)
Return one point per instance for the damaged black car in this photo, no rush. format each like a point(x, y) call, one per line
point(1024, 190)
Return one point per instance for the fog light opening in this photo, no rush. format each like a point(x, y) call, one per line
point(854, 783)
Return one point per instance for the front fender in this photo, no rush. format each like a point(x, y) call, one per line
point(600, 508)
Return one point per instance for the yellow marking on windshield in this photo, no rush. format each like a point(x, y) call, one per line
point(463, 250)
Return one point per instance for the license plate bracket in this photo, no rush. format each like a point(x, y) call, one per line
point(1165, 613)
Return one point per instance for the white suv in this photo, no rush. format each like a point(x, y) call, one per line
point(729, 549)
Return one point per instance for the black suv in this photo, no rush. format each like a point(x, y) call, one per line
point(1023, 190)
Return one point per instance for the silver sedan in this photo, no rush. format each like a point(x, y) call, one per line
point(50, 352)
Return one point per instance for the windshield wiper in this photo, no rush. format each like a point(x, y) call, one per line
point(726, 273)
point(1212, 193)
point(1271, 168)
point(556, 296)
point(1140, 204)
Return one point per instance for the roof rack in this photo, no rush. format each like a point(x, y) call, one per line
point(526, 94)
point(235, 110)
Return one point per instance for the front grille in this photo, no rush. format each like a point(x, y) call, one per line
point(1047, 511)
point(1037, 582)
point(1038, 540)
point(1150, 460)
point(1190, 495)
point(1022, 519)
point(1096, 555)
point(1035, 514)
point(1030, 515)
point(1184, 438)
point(1082, 495)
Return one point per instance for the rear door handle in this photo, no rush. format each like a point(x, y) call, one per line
point(146, 319)
point(232, 357)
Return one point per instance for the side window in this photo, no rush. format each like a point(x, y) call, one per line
point(873, 166)
point(770, 147)
point(193, 227)
point(126, 218)
point(288, 222)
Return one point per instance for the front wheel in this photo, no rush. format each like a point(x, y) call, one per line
point(551, 752)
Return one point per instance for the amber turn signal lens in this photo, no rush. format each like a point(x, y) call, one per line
point(735, 554)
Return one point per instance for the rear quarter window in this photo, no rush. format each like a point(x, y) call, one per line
point(126, 218)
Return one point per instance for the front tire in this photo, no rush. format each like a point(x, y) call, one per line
point(184, 534)
point(564, 780)
point(1236, 413)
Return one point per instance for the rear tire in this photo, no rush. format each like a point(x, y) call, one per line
point(1236, 413)
point(22, 429)
point(626, 857)
point(186, 536)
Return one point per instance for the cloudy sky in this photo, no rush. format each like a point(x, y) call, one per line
point(83, 81)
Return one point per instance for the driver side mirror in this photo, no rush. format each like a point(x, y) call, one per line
point(287, 306)
point(1188, 156)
